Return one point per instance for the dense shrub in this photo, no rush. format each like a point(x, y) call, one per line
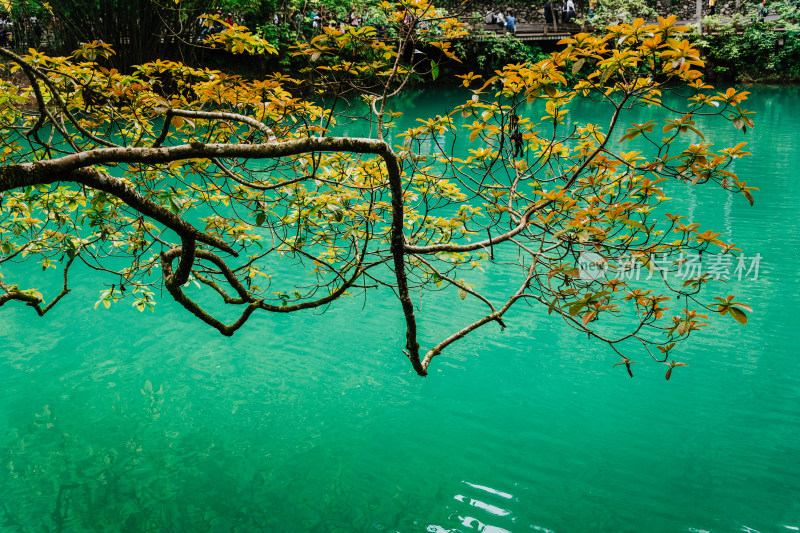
point(759, 52)
point(743, 49)
point(494, 52)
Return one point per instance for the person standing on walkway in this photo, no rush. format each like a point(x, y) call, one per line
point(762, 10)
point(712, 5)
point(548, 12)
point(569, 11)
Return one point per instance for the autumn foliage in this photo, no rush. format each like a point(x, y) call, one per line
point(196, 181)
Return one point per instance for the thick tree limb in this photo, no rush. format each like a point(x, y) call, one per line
point(26, 175)
point(73, 168)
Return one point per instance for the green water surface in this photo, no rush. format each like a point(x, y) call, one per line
point(115, 420)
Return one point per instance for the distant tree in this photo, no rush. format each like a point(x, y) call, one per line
point(610, 12)
point(201, 187)
point(138, 30)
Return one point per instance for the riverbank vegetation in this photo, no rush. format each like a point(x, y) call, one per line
point(760, 53)
point(736, 48)
point(744, 48)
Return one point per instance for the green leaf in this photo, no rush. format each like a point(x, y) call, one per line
point(574, 309)
point(434, 70)
point(314, 210)
point(739, 315)
point(462, 293)
point(260, 218)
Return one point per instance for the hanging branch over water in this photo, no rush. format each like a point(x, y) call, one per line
point(245, 190)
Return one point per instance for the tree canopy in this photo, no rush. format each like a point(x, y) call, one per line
point(196, 181)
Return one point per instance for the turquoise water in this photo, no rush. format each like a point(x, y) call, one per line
point(124, 421)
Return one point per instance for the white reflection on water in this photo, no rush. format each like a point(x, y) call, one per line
point(474, 523)
point(491, 509)
point(489, 489)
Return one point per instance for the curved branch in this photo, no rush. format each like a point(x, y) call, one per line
point(252, 304)
point(169, 154)
point(13, 294)
point(181, 275)
point(73, 168)
point(222, 115)
point(232, 175)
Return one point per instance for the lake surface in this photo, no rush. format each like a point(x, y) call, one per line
point(115, 420)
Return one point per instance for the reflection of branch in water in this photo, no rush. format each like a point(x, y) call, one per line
point(58, 516)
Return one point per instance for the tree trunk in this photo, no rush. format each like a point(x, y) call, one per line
point(700, 16)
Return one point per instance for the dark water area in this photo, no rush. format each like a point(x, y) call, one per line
point(115, 420)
